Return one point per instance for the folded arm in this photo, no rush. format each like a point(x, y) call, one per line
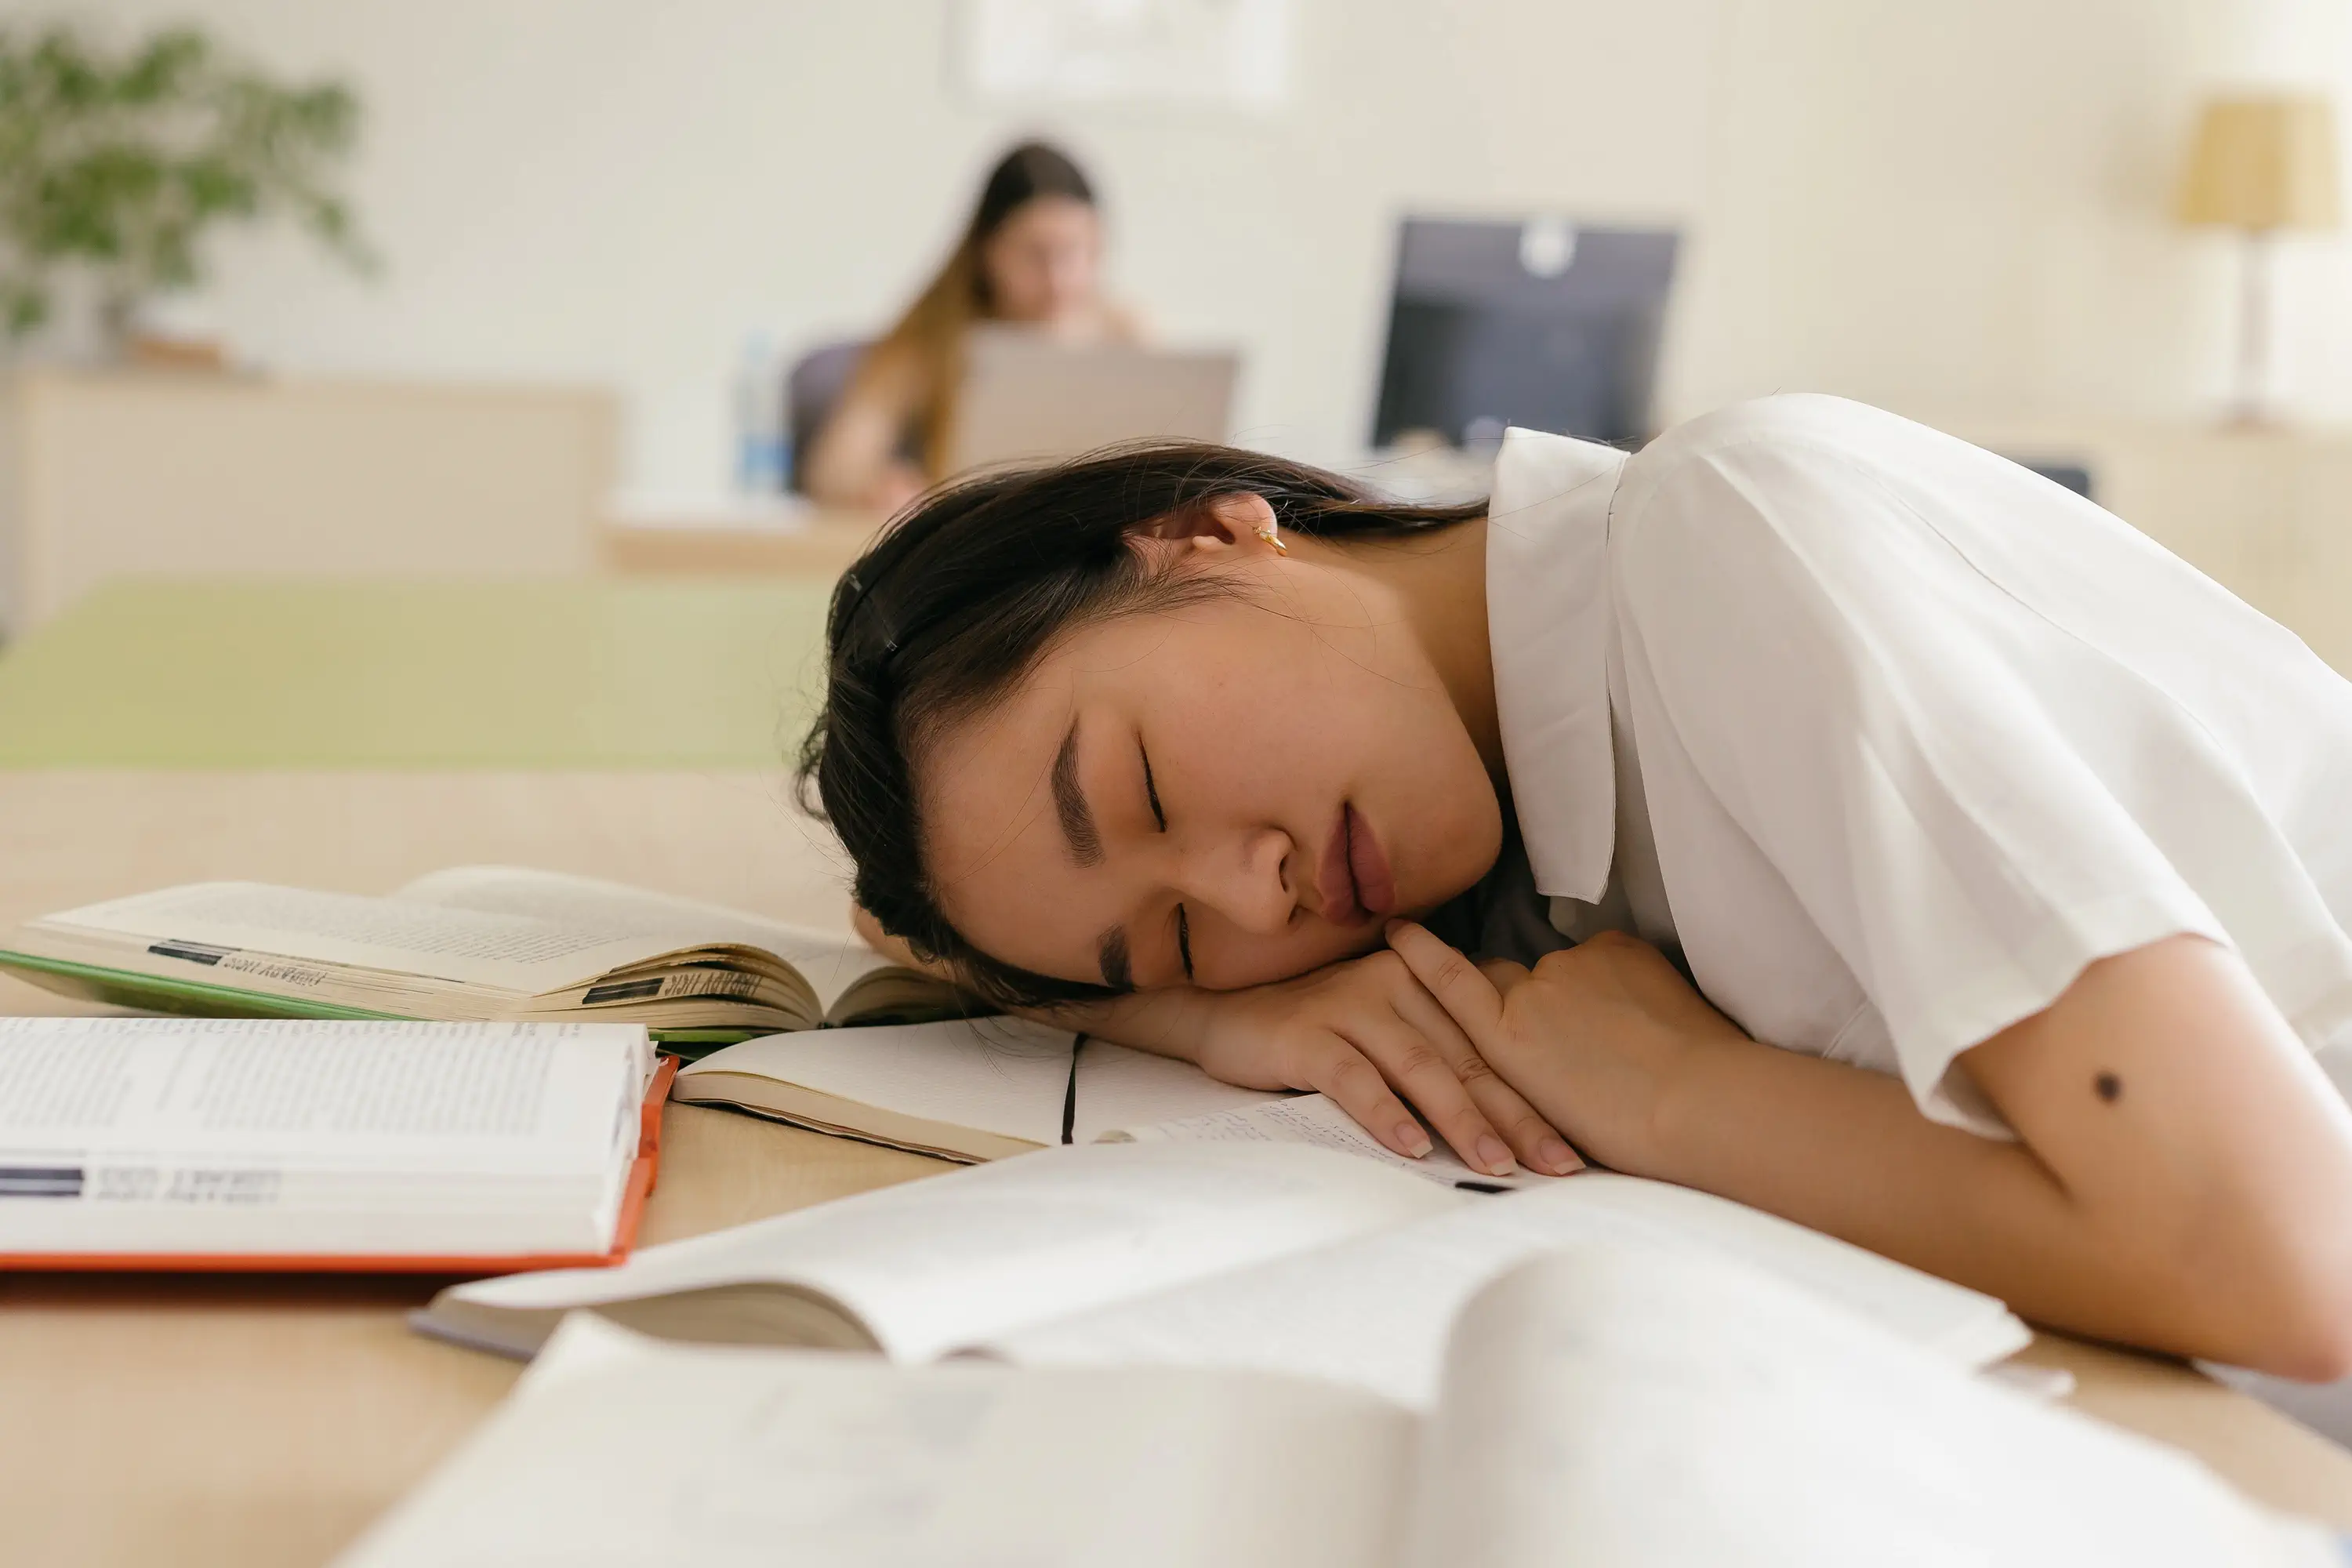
point(1364, 1032)
point(2182, 1177)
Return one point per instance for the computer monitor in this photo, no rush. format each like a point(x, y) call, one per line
point(1543, 323)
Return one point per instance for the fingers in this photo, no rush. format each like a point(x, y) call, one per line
point(1538, 1145)
point(1341, 1074)
point(1469, 997)
point(1425, 1071)
point(1504, 975)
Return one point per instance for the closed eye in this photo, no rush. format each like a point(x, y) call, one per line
point(1160, 816)
point(1151, 790)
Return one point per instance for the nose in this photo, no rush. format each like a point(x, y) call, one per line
point(1069, 278)
point(1246, 881)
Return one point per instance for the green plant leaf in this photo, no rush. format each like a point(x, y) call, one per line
point(119, 163)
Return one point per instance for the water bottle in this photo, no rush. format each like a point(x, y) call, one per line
point(763, 447)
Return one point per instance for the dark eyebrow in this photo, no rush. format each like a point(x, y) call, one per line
point(1070, 804)
point(1117, 972)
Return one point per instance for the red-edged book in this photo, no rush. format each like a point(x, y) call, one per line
point(208, 1144)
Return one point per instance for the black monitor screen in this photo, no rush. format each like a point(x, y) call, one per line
point(1543, 323)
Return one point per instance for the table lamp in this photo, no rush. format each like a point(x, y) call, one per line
point(2261, 165)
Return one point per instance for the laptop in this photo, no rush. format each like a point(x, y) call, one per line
point(1027, 398)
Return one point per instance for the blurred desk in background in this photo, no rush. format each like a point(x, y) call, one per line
point(109, 473)
point(2265, 512)
point(587, 673)
point(794, 541)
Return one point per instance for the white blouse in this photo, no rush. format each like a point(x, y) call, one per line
point(1892, 737)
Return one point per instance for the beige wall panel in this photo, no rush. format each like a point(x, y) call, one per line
point(156, 473)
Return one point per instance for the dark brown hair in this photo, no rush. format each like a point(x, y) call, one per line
point(963, 593)
point(930, 336)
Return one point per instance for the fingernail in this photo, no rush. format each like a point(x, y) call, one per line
point(1557, 1155)
point(1495, 1157)
point(1415, 1140)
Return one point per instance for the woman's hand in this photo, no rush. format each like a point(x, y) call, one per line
point(1593, 1035)
point(1362, 1032)
point(1365, 1033)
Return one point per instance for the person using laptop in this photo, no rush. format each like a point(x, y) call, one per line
point(1030, 256)
point(1947, 867)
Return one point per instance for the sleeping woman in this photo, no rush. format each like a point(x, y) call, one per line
point(1812, 809)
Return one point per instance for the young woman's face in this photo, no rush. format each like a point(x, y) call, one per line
point(1223, 793)
point(1042, 261)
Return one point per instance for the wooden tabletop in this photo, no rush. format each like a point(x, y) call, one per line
point(261, 1421)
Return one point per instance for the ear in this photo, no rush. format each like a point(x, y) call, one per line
point(1226, 525)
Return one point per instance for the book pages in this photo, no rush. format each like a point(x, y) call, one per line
point(936, 1265)
point(1372, 1311)
point(831, 961)
point(1635, 1409)
point(1313, 1119)
point(1003, 1075)
point(617, 1449)
point(168, 1135)
point(522, 956)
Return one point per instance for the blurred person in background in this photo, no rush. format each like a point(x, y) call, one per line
point(1030, 256)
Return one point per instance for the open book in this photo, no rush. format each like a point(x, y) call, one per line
point(1202, 1254)
point(1607, 1405)
point(982, 1088)
point(478, 942)
point(218, 1143)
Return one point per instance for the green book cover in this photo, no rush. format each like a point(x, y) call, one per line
point(195, 998)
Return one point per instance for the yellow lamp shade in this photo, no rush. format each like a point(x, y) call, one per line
point(2263, 163)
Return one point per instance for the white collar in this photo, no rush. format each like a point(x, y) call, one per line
point(1548, 621)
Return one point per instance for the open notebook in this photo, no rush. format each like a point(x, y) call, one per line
point(1256, 1255)
point(982, 1088)
point(253, 1143)
point(474, 942)
point(1609, 1405)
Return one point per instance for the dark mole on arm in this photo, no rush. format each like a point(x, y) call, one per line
point(2110, 1086)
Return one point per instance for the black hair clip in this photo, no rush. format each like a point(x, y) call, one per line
point(860, 593)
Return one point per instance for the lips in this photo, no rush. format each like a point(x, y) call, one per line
point(1353, 877)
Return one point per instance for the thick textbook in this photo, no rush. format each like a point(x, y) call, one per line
point(1249, 1254)
point(1603, 1407)
point(473, 943)
point(254, 1144)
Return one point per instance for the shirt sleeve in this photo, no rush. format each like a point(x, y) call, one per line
point(1969, 800)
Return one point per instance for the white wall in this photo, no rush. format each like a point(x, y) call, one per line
point(1932, 203)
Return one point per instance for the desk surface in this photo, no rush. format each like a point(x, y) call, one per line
point(582, 673)
point(265, 1421)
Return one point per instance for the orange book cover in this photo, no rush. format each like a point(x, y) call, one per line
point(625, 1233)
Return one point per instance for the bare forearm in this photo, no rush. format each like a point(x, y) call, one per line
point(1843, 1150)
point(2181, 1177)
point(2167, 1258)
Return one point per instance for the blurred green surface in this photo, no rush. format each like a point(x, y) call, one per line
point(585, 674)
